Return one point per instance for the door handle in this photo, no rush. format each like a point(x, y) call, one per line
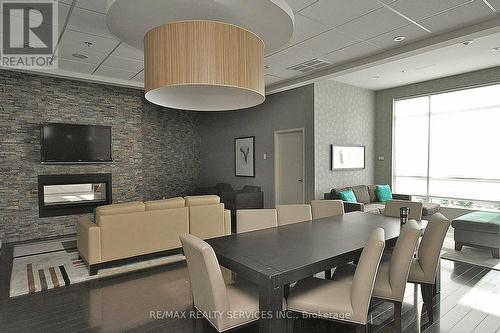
point(300, 180)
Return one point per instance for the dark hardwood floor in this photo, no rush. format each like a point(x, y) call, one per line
point(469, 302)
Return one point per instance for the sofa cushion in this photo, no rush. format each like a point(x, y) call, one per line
point(430, 208)
point(372, 192)
point(376, 207)
point(384, 193)
point(347, 196)
point(120, 208)
point(487, 222)
point(361, 193)
point(202, 200)
point(169, 203)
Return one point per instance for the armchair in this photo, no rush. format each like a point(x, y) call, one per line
point(249, 197)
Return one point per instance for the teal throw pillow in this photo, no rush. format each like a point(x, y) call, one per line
point(348, 196)
point(384, 193)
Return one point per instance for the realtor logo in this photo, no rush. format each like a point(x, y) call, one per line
point(29, 34)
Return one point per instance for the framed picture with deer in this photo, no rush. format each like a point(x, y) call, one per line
point(244, 156)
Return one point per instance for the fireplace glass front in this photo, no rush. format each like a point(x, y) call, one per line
point(74, 193)
point(69, 194)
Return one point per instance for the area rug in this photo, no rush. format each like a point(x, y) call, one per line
point(469, 255)
point(54, 264)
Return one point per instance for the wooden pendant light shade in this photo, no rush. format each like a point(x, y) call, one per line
point(204, 66)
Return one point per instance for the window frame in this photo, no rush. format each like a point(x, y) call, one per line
point(428, 198)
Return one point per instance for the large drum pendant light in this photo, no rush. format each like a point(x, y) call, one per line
point(203, 55)
point(204, 66)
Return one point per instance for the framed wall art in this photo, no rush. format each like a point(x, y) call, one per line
point(347, 157)
point(244, 156)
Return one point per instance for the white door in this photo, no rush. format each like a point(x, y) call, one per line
point(289, 166)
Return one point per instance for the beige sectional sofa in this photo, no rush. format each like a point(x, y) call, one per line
point(127, 230)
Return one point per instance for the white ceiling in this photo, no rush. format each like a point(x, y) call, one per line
point(340, 31)
point(442, 62)
point(336, 31)
point(108, 60)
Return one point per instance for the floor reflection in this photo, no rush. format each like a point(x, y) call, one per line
point(162, 296)
point(146, 301)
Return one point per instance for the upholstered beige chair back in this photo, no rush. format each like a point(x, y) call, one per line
point(392, 208)
point(255, 219)
point(207, 284)
point(366, 272)
point(431, 244)
point(289, 214)
point(401, 258)
point(327, 208)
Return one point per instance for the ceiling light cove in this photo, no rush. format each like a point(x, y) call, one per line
point(203, 55)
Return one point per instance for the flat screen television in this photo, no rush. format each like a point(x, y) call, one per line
point(70, 143)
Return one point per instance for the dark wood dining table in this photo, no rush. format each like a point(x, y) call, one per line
point(275, 257)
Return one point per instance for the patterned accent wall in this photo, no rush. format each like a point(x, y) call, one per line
point(155, 150)
point(384, 101)
point(343, 115)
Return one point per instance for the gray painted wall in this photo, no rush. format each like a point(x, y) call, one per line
point(286, 110)
point(343, 115)
point(384, 101)
point(155, 150)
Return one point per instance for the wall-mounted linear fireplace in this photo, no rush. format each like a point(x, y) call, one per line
point(60, 195)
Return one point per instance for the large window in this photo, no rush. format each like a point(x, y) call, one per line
point(447, 146)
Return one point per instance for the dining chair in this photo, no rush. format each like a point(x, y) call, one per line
point(211, 295)
point(392, 274)
point(425, 266)
point(392, 209)
point(346, 300)
point(327, 208)
point(255, 219)
point(289, 214)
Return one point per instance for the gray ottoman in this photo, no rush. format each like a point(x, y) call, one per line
point(478, 229)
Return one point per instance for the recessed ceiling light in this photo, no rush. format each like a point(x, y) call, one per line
point(496, 49)
point(467, 42)
point(79, 56)
point(399, 38)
